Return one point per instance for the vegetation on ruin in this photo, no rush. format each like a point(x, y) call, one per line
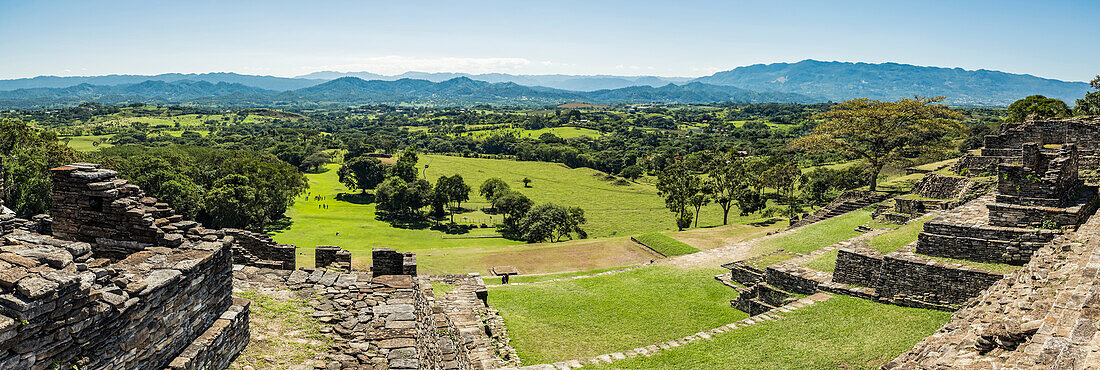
point(665, 244)
point(282, 333)
point(894, 239)
point(840, 333)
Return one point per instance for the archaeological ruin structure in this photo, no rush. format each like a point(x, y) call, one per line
point(120, 273)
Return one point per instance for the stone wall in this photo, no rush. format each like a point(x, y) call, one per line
point(938, 186)
point(792, 278)
point(912, 280)
point(123, 283)
point(260, 250)
point(329, 255)
point(386, 261)
point(858, 266)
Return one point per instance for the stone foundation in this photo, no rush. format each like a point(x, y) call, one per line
point(334, 256)
point(386, 261)
point(260, 250)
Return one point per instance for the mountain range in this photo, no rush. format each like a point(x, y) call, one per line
point(805, 81)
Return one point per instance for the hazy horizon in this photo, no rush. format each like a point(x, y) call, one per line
point(637, 38)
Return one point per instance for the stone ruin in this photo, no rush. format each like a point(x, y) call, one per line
point(333, 256)
point(395, 321)
point(120, 272)
point(932, 192)
point(1038, 197)
point(1007, 144)
point(255, 249)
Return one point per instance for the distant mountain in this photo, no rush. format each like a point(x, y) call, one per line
point(844, 80)
point(263, 82)
point(349, 91)
point(146, 92)
point(563, 82)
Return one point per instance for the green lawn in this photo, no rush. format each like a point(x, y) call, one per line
point(85, 143)
point(562, 132)
point(818, 235)
point(892, 240)
point(825, 262)
point(358, 228)
point(665, 244)
point(840, 333)
point(611, 210)
point(563, 320)
point(545, 277)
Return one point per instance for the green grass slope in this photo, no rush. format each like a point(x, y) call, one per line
point(665, 244)
point(840, 333)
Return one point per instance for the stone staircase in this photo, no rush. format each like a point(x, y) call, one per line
point(849, 201)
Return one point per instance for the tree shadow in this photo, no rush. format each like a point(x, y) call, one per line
point(356, 198)
point(278, 225)
point(408, 222)
point(767, 222)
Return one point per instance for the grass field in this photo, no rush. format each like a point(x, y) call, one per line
point(817, 235)
point(84, 143)
point(563, 320)
point(840, 333)
point(538, 258)
point(892, 240)
point(545, 277)
point(665, 244)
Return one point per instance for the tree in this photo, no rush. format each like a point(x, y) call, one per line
point(728, 179)
point(513, 205)
point(1038, 106)
point(784, 176)
point(402, 198)
point(452, 190)
point(552, 222)
point(881, 131)
point(362, 173)
point(232, 203)
point(405, 168)
point(314, 162)
point(492, 188)
point(1090, 105)
point(632, 172)
point(677, 184)
point(698, 200)
point(26, 155)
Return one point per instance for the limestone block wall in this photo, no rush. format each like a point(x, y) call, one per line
point(111, 313)
point(328, 255)
point(939, 186)
point(123, 283)
point(386, 261)
point(260, 250)
point(858, 266)
point(909, 279)
point(791, 278)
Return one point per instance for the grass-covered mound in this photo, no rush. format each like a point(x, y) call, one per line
point(563, 320)
point(840, 333)
point(665, 244)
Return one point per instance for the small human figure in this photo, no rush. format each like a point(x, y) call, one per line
point(337, 233)
point(504, 279)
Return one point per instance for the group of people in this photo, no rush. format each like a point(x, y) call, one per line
point(318, 198)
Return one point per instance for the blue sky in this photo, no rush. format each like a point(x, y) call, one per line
point(1055, 39)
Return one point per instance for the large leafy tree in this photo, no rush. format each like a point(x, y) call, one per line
point(551, 222)
point(678, 185)
point(362, 173)
point(492, 188)
point(513, 205)
point(880, 132)
point(1038, 106)
point(730, 182)
point(232, 203)
point(405, 168)
point(1090, 105)
point(26, 155)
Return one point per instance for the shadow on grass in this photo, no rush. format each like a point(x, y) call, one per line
point(359, 198)
point(278, 225)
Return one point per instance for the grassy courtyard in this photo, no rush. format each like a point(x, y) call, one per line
point(562, 320)
point(840, 333)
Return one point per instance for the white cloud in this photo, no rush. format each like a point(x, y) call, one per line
point(396, 64)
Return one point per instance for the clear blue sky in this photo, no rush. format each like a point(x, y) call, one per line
point(1055, 39)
